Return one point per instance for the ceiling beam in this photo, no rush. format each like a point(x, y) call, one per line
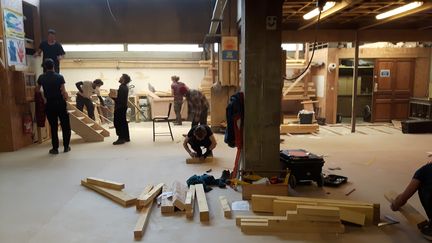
point(295, 36)
point(422, 8)
point(336, 8)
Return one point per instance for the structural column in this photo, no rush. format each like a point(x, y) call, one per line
point(261, 82)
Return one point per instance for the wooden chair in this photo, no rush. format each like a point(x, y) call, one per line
point(163, 119)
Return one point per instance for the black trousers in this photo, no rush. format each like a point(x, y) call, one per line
point(177, 110)
point(197, 147)
point(120, 123)
point(425, 195)
point(81, 102)
point(202, 118)
point(56, 110)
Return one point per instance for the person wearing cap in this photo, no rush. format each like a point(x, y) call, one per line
point(51, 49)
point(120, 108)
point(197, 106)
point(198, 137)
point(55, 94)
point(86, 90)
point(178, 97)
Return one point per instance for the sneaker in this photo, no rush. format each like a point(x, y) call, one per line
point(177, 124)
point(53, 151)
point(119, 141)
point(67, 149)
point(127, 140)
point(427, 232)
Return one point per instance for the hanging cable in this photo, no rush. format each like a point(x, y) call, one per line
point(109, 8)
point(313, 51)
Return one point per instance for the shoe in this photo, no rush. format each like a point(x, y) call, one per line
point(427, 232)
point(177, 124)
point(53, 151)
point(127, 140)
point(67, 149)
point(119, 141)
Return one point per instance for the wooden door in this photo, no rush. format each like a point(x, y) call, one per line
point(393, 81)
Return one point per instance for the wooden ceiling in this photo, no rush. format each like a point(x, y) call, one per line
point(356, 15)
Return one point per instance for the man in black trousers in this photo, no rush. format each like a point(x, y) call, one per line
point(120, 108)
point(55, 107)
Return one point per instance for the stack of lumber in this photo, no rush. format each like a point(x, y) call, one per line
point(305, 219)
point(359, 213)
point(110, 189)
point(145, 209)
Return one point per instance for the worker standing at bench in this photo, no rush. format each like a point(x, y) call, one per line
point(200, 136)
point(178, 98)
point(197, 106)
point(86, 90)
point(422, 183)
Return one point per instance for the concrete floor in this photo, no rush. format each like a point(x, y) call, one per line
point(42, 200)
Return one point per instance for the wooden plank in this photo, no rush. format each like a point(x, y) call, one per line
point(198, 160)
point(280, 207)
point(189, 201)
point(179, 195)
point(145, 191)
point(144, 215)
point(145, 198)
point(353, 217)
point(408, 211)
point(299, 128)
point(166, 203)
point(225, 206)
point(202, 203)
point(275, 189)
point(294, 216)
point(275, 226)
point(239, 218)
point(119, 197)
point(318, 210)
point(106, 183)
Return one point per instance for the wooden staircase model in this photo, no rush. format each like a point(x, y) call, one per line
point(84, 126)
point(300, 89)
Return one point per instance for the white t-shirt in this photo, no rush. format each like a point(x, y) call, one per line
point(88, 89)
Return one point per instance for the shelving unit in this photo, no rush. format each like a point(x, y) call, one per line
point(420, 109)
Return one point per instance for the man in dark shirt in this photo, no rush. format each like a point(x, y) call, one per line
point(55, 107)
point(200, 136)
point(51, 49)
point(120, 108)
point(178, 97)
point(421, 182)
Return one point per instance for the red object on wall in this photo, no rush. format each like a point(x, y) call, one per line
point(27, 124)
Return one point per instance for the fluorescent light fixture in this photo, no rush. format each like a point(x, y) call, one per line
point(165, 47)
point(92, 47)
point(292, 46)
point(315, 12)
point(404, 8)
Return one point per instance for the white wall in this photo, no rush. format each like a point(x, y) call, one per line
point(160, 78)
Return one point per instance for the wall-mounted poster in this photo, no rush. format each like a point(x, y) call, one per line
point(229, 48)
point(15, 5)
point(385, 73)
point(16, 52)
point(14, 23)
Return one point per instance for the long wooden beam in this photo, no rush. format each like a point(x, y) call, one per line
point(334, 35)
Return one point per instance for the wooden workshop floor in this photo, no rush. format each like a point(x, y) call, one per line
point(41, 199)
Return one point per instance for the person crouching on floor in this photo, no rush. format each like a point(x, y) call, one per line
point(200, 136)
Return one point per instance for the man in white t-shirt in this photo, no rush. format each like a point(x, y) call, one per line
point(86, 90)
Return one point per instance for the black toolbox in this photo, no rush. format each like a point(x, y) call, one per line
point(417, 126)
point(304, 166)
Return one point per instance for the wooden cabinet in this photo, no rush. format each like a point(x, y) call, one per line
point(24, 86)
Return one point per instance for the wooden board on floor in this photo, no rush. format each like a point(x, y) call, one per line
point(299, 128)
point(280, 226)
point(408, 211)
point(106, 183)
point(166, 203)
point(146, 190)
point(353, 217)
point(144, 215)
point(190, 201)
point(318, 210)
point(119, 197)
point(146, 197)
point(198, 160)
point(239, 218)
point(225, 206)
point(179, 195)
point(272, 189)
point(202, 203)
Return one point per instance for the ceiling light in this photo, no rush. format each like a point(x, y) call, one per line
point(315, 12)
point(399, 10)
